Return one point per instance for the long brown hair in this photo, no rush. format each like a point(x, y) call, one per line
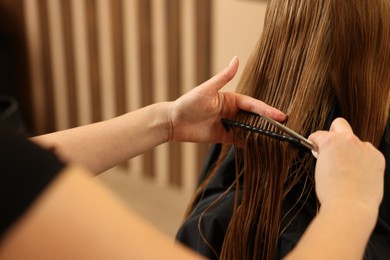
point(312, 56)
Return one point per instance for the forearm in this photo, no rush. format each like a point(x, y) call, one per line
point(78, 218)
point(103, 145)
point(338, 232)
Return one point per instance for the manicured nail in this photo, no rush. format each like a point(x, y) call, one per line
point(232, 61)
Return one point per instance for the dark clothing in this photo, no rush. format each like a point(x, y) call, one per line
point(26, 170)
point(216, 220)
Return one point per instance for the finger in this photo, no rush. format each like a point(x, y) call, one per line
point(253, 105)
point(221, 79)
point(340, 125)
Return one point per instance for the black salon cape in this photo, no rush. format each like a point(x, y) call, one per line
point(217, 218)
point(25, 171)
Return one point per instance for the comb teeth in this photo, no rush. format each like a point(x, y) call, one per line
point(230, 124)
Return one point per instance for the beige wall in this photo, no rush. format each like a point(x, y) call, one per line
point(237, 26)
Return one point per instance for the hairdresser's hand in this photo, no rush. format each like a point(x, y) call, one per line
point(348, 171)
point(196, 115)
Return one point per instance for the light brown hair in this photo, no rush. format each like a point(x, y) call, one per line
point(313, 56)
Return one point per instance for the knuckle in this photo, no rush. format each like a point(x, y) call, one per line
point(330, 138)
point(352, 138)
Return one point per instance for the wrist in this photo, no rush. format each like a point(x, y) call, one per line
point(364, 212)
point(162, 120)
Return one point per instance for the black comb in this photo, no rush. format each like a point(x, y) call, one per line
point(293, 138)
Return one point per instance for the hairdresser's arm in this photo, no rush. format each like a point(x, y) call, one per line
point(194, 117)
point(78, 218)
point(349, 186)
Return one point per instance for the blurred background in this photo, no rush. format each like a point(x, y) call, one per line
point(73, 62)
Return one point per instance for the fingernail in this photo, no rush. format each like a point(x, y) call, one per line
point(232, 61)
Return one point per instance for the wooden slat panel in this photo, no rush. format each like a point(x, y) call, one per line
point(50, 109)
point(119, 55)
point(190, 171)
point(94, 60)
point(203, 9)
point(82, 69)
point(132, 57)
point(160, 89)
point(70, 64)
point(145, 65)
point(106, 59)
point(36, 77)
point(146, 69)
point(117, 43)
point(60, 84)
point(132, 54)
point(173, 9)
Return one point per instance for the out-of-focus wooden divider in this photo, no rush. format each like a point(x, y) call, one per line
point(90, 60)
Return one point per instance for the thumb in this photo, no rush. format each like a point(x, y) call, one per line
point(222, 78)
point(340, 125)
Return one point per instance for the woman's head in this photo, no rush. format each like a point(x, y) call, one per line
point(313, 53)
point(360, 73)
point(315, 59)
